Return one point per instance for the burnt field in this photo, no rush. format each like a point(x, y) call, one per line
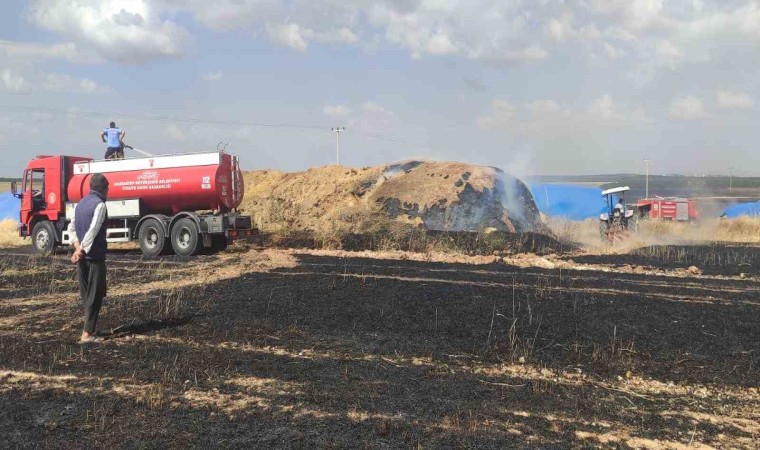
point(720, 260)
point(289, 349)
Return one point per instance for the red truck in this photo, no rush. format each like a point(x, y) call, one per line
point(181, 203)
point(668, 208)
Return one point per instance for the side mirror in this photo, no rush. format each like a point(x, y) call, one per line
point(14, 189)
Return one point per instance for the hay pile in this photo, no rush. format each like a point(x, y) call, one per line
point(445, 196)
point(9, 237)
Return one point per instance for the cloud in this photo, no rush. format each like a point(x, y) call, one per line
point(28, 52)
point(15, 125)
point(54, 82)
point(340, 36)
point(368, 118)
point(373, 118)
point(213, 76)
point(290, 35)
point(687, 108)
point(589, 33)
point(632, 15)
point(603, 108)
point(548, 117)
point(657, 34)
point(223, 15)
point(560, 29)
point(13, 82)
point(131, 32)
point(612, 51)
point(175, 133)
point(734, 100)
point(531, 53)
point(502, 116)
point(439, 44)
point(34, 82)
point(543, 107)
point(670, 54)
point(20, 70)
point(488, 30)
point(337, 111)
point(474, 84)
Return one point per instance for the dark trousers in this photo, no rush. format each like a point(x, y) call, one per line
point(92, 289)
point(115, 153)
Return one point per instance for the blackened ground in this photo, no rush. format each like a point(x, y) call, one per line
point(713, 259)
point(281, 350)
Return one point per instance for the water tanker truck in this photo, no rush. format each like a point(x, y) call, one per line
point(185, 204)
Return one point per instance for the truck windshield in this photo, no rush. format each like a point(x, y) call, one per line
point(35, 181)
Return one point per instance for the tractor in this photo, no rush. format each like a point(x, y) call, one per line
point(616, 221)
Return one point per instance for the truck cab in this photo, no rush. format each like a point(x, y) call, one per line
point(42, 192)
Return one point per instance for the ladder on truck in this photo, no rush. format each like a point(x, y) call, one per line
point(236, 194)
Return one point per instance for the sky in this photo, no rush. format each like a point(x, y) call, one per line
point(532, 86)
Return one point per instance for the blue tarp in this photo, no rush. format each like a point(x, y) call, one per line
point(570, 201)
point(743, 209)
point(9, 206)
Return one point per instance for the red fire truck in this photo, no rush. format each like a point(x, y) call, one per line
point(668, 208)
point(181, 203)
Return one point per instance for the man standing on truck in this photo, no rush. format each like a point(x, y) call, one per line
point(88, 235)
point(115, 139)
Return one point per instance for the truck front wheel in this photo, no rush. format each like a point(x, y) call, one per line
point(186, 238)
point(43, 238)
point(152, 238)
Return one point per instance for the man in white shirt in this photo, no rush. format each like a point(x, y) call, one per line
point(88, 233)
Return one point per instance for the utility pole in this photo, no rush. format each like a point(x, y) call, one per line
point(646, 195)
point(337, 131)
point(730, 180)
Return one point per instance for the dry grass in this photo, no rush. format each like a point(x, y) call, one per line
point(742, 230)
point(337, 200)
point(336, 207)
point(381, 234)
point(9, 237)
point(738, 230)
point(584, 232)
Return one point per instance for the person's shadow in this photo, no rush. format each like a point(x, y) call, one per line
point(146, 327)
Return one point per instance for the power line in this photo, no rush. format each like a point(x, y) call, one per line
point(98, 114)
point(390, 139)
point(152, 118)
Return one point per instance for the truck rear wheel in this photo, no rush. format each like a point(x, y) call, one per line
point(186, 238)
point(152, 238)
point(43, 238)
